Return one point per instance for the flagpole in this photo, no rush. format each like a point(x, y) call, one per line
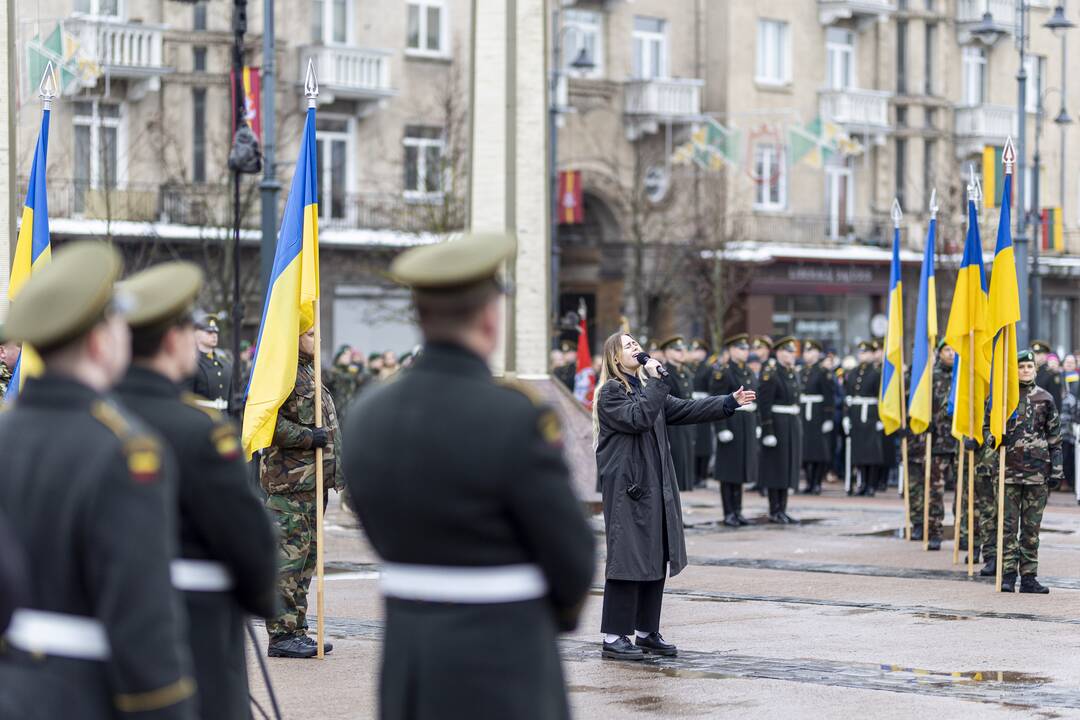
point(311, 91)
point(1001, 457)
point(932, 360)
point(897, 215)
point(974, 190)
point(958, 509)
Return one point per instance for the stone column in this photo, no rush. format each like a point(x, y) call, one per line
point(8, 188)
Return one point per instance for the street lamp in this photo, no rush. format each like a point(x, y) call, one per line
point(1061, 121)
point(986, 29)
point(1058, 23)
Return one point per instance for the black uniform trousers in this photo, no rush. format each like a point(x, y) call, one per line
point(778, 498)
point(731, 498)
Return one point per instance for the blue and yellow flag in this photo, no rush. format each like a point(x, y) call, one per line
point(921, 400)
point(1004, 313)
point(32, 251)
point(967, 333)
point(891, 399)
point(289, 308)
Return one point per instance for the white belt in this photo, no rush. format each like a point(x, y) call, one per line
point(786, 409)
point(809, 401)
point(865, 402)
point(470, 585)
point(219, 404)
point(200, 575)
point(748, 407)
point(60, 634)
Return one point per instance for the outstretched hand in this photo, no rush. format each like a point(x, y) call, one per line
point(744, 397)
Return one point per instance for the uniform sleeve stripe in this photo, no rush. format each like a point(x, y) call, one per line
point(151, 700)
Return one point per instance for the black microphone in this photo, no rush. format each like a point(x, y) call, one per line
point(643, 357)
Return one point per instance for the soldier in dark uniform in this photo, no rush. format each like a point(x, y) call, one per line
point(737, 436)
point(566, 372)
point(212, 380)
point(818, 402)
point(781, 429)
point(91, 497)
point(760, 349)
point(486, 553)
point(861, 423)
point(702, 366)
point(681, 384)
point(227, 566)
point(1046, 377)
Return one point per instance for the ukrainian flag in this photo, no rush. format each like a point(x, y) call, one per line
point(289, 309)
point(1004, 313)
point(891, 400)
point(920, 402)
point(967, 318)
point(32, 250)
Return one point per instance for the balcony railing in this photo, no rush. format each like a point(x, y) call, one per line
point(124, 49)
point(809, 229)
point(349, 72)
point(991, 122)
point(669, 99)
point(969, 12)
point(856, 109)
point(829, 11)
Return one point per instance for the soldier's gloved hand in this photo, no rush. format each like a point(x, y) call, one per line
point(827, 426)
point(725, 436)
point(879, 426)
point(757, 433)
point(320, 438)
point(1054, 482)
point(846, 424)
point(970, 444)
point(769, 441)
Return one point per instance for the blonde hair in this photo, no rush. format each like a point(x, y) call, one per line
point(610, 369)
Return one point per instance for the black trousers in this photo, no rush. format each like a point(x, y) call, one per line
point(630, 605)
point(778, 498)
point(815, 475)
point(731, 497)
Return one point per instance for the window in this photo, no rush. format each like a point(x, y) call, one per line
point(929, 67)
point(901, 162)
point(424, 147)
point(771, 178)
point(1036, 73)
point(773, 53)
point(901, 116)
point(839, 189)
point(974, 70)
point(840, 59)
point(198, 135)
point(332, 144)
point(426, 33)
point(583, 30)
point(930, 117)
point(97, 139)
point(929, 163)
point(100, 8)
point(198, 58)
point(198, 21)
point(901, 56)
point(650, 48)
point(330, 22)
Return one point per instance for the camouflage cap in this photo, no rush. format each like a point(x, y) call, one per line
point(163, 293)
point(1025, 356)
point(67, 297)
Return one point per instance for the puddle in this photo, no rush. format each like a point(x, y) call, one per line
point(1010, 677)
point(760, 522)
point(887, 532)
point(940, 616)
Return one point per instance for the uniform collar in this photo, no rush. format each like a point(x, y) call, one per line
point(453, 358)
point(57, 391)
point(144, 381)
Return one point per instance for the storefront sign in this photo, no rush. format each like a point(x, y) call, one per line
point(845, 275)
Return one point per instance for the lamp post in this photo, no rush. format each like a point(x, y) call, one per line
point(1061, 120)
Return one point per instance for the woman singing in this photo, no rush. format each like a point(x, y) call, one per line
point(642, 513)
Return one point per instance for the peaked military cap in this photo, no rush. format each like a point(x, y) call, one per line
point(1025, 356)
point(456, 263)
point(163, 293)
point(738, 339)
point(788, 342)
point(878, 344)
point(675, 342)
point(866, 346)
point(1040, 346)
point(206, 321)
point(700, 344)
point(568, 345)
point(67, 297)
point(763, 341)
point(809, 344)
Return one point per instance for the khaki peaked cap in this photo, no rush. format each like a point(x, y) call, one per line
point(459, 262)
point(163, 293)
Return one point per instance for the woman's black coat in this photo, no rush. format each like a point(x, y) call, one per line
point(633, 449)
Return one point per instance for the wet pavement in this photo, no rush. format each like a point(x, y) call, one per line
point(835, 617)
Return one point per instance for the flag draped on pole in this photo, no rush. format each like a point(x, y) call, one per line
point(968, 317)
point(920, 403)
point(1004, 313)
point(584, 378)
point(288, 310)
point(891, 399)
point(32, 248)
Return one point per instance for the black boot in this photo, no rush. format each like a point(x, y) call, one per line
point(783, 508)
point(1008, 582)
point(916, 532)
point(978, 552)
point(934, 544)
point(731, 520)
point(775, 516)
point(622, 649)
point(1028, 584)
point(327, 646)
point(989, 569)
point(291, 647)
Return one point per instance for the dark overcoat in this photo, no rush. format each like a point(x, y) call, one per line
point(632, 450)
point(737, 459)
point(817, 400)
point(704, 438)
point(681, 386)
point(780, 465)
point(862, 386)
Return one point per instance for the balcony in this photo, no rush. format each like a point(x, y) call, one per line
point(819, 230)
point(647, 103)
point(863, 12)
point(121, 49)
point(969, 12)
point(861, 111)
point(980, 125)
point(348, 73)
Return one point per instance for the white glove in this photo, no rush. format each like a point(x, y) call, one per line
point(879, 426)
point(826, 427)
point(757, 432)
point(769, 441)
point(725, 436)
point(846, 424)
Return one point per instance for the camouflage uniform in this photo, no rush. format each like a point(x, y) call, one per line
point(5, 379)
point(344, 382)
point(985, 502)
point(943, 457)
point(1032, 458)
point(287, 474)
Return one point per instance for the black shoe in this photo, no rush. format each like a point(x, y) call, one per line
point(816, 490)
point(1008, 582)
point(989, 569)
point(731, 520)
point(777, 518)
point(935, 544)
point(917, 532)
point(742, 520)
point(327, 647)
point(291, 647)
point(621, 649)
point(654, 644)
point(1028, 584)
point(788, 519)
point(976, 558)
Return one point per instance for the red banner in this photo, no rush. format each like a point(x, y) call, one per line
point(571, 198)
point(252, 105)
